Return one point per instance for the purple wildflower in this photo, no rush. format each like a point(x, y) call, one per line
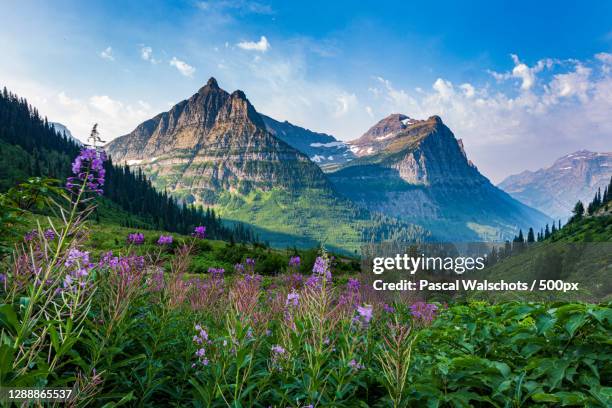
point(294, 261)
point(364, 315)
point(216, 273)
point(388, 309)
point(423, 312)
point(352, 285)
point(135, 238)
point(199, 339)
point(88, 169)
point(29, 236)
point(164, 240)
point(293, 299)
point(321, 268)
point(239, 268)
point(276, 349)
point(49, 234)
point(199, 232)
point(355, 365)
point(77, 277)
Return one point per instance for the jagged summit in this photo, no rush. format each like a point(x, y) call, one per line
point(211, 84)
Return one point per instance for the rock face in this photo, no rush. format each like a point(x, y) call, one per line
point(323, 149)
point(212, 142)
point(381, 134)
point(556, 189)
point(215, 150)
point(417, 171)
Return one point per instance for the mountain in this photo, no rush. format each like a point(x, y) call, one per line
point(417, 171)
point(381, 134)
point(32, 147)
point(63, 130)
point(556, 189)
point(323, 149)
point(214, 149)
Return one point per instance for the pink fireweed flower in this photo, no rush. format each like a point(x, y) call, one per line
point(276, 349)
point(321, 269)
point(293, 299)
point(49, 234)
point(199, 339)
point(250, 265)
point(423, 312)
point(352, 285)
point(294, 261)
point(135, 238)
point(364, 315)
point(216, 273)
point(164, 240)
point(199, 232)
point(29, 236)
point(388, 309)
point(355, 365)
point(88, 169)
point(76, 278)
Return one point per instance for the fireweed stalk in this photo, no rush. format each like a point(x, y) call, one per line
point(309, 329)
point(53, 297)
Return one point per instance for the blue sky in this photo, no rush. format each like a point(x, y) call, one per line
point(521, 82)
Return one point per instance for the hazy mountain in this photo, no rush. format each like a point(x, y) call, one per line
point(61, 129)
point(323, 149)
point(556, 189)
point(214, 149)
point(416, 170)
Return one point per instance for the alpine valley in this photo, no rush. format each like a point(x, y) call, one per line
point(404, 179)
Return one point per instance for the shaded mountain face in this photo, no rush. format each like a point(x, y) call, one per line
point(214, 149)
point(417, 171)
point(556, 189)
point(323, 149)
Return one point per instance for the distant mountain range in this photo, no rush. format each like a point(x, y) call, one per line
point(556, 189)
point(402, 178)
point(323, 149)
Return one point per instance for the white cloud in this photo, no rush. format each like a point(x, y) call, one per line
point(262, 45)
point(468, 90)
point(107, 54)
point(527, 75)
point(344, 103)
point(184, 68)
point(146, 53)
point(556, 107)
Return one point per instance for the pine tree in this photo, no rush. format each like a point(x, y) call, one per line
point(530, 236)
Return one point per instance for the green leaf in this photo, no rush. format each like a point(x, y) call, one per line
point(8, 318)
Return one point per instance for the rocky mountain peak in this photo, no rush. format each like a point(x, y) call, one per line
point(211, 84)
point(386, 126)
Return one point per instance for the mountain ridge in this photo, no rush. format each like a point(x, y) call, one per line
point(556, 188)
point(420, 171)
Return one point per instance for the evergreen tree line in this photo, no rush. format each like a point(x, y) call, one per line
point(599, 201)
point(520, 242)
point(41, 151)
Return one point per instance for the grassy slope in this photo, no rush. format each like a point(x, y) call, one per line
point(108, 236)
point(579, 252)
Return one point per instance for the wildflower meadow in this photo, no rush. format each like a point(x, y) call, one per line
point(136, 327)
